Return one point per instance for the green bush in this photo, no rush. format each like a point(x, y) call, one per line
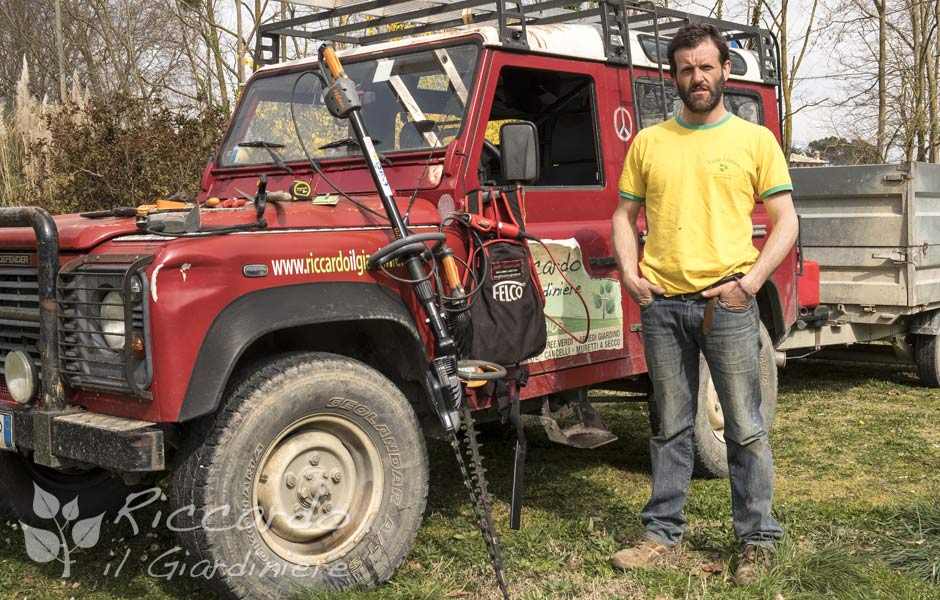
point(121, 151)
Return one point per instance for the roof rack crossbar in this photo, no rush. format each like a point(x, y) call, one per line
point(380, 21)
point(616, 18)
point(315, 35)
point(382, 37)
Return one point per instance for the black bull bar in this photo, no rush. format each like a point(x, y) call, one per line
point(60, 435)
point(47, 242)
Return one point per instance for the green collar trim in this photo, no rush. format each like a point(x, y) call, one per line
point(709, 126)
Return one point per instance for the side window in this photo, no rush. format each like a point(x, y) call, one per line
point(649, 102)
point(745, 105)
point(738, 64)
point(562, 107)
point(648, 43)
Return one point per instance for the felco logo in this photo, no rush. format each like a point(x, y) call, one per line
point(508, 291)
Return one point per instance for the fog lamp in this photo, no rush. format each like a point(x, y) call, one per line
point(21, 376)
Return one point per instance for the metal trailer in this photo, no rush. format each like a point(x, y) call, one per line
point(874, 230)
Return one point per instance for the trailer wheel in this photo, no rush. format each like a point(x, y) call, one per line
point(313, 476)
point(928, 359)
point(97, 490)
point(711, 458)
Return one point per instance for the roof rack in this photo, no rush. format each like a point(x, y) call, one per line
point(366, 22)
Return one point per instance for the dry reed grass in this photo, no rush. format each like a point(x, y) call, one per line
point(24, 137)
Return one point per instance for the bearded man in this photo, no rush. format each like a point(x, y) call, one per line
point(697, 176)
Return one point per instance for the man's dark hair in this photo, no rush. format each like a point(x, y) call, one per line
point(691, 36)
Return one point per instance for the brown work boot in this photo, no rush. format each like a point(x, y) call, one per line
point(753, 562)
point(645, 554)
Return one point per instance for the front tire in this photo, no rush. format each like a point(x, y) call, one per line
point(711, 451)
point(322, 463)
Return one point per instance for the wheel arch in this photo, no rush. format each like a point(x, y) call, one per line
point(343, 318)
point(771, 310)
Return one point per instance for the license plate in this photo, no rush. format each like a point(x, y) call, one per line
point(6, 432)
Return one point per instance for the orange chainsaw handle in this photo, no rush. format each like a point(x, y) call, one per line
point(332, 62)
point(451, 276)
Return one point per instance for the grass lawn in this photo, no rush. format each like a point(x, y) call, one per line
point(857, 453)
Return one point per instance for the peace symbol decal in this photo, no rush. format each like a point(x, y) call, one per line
point(623, 123)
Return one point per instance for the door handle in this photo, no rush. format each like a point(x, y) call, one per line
point(603, 261)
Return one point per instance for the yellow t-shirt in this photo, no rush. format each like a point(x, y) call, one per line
point(698, 184)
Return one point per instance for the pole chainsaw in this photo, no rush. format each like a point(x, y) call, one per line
point(342, 100)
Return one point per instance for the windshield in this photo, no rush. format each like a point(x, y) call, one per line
point(409, 102)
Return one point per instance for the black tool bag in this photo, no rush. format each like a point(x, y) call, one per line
point(507, 312)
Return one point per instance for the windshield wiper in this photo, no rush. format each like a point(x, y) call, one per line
point(269, 146)
point(351, 143)
point(345, 142)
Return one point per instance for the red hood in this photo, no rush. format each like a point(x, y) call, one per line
point(81, 234)
point(75, 233)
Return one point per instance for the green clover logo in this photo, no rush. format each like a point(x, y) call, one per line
point(605, 301)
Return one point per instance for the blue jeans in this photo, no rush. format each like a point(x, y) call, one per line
point(672, 337)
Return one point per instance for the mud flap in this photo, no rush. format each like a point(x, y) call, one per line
point(589, 430)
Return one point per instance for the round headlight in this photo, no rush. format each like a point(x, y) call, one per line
point(21, 376)
point(112, 320)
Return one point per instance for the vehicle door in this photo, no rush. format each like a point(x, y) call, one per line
point(575, 106)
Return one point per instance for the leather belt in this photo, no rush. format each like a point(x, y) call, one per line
point(710, 306)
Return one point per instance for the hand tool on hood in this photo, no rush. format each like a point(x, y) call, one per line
point(120, 211)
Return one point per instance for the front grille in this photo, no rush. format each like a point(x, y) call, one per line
point(19, 288)
point(87, 358)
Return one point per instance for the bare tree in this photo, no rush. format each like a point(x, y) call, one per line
point(27, 32)
point(915, 27)
point(793, 48)
point(881, 11)
point(898, 75)
point(933, 73)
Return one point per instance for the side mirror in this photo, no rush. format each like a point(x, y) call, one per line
point(519, 151)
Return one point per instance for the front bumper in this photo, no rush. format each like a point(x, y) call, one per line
point(61, 438)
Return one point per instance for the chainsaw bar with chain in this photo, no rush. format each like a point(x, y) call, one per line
point(474, 479)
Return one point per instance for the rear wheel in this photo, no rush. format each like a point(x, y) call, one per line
point(313, 477)
point(711, 452)
point(928, 359)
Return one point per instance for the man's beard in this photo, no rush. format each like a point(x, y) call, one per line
point(706, 104)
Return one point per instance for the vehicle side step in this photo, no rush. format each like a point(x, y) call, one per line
point(589, 430)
